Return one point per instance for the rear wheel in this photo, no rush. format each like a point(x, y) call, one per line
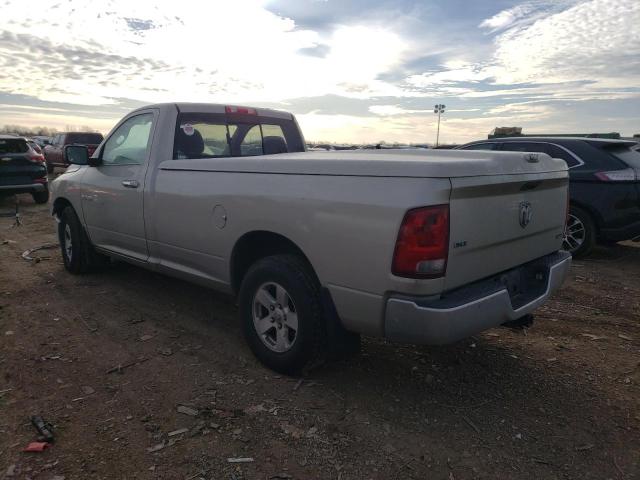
point(281, 312)
point(41, 197)
point(580, 232)
point(78, 254)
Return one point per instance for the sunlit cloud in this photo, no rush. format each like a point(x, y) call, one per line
point(350, 74)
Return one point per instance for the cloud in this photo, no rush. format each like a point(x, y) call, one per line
point(563, 49)
point(506, 18)
point(588, 41)
point(371, 69)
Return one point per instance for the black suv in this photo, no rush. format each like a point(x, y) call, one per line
point(604, 185)
point(22, 169)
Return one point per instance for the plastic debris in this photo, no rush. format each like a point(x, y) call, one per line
point(36, 447)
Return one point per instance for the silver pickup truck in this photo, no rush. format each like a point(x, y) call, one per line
point(419, 246)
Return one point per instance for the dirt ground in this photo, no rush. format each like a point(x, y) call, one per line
point(559, 401)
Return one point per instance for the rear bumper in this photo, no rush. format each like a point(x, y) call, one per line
point(32, 187)
point(478, 306)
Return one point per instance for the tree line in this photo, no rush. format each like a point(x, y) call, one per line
point(44, 131)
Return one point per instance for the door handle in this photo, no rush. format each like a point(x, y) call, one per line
point(130, 183)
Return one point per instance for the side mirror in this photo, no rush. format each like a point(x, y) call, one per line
point(76, 154)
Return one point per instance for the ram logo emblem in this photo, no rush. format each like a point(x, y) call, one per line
point(525, 214)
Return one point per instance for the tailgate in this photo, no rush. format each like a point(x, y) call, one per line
point(498, 222)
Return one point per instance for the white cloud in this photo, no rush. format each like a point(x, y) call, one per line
point(388, 110)
point(506, 18)
point(564, 49)
point(211, 51)
point(596, 41)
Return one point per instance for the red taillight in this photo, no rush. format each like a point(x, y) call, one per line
point(37, 158)
point(423, 243)
point(626, 175)
point(241, 110)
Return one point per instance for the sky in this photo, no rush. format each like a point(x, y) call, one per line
point(350, 70)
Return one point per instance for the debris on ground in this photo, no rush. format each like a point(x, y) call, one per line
point(180, 431)
point(87, 390)
point(593, 337)
point(240, 460)
point(120, 368)
point(11, 471)
point(44, 428)
point(26, 255)
point(192, 412)
point(36, 447)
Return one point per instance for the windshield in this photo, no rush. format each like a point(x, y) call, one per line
point(10, 145)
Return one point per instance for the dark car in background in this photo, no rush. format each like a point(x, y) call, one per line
point(54, 153)
point(604, 184)
point(22, 169)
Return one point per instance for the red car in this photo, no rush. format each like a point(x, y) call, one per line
point(54, 153)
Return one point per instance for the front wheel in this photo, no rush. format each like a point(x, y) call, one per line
point(281, 312)
point(78, 254)
point(580, 233)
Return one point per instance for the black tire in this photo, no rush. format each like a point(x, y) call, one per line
point(82, 257)
point(295, 276)
point(589, 233)
point(41, 197)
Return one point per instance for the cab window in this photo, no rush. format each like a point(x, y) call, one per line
point(129, 144)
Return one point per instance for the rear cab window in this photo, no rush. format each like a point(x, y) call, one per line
point(13, 145)
point(212, 135)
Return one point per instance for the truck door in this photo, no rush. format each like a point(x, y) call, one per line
point(112, 197)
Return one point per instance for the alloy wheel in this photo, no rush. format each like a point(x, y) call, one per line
point(275, 317)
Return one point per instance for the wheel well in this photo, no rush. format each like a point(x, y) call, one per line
point(253, 246)
point(59, 205)
point(597, 219)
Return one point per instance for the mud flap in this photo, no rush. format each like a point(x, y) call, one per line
point(341, 343)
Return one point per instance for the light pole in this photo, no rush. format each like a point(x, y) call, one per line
point(439, 109)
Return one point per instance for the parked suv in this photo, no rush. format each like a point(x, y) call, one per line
point(22, 169)
point(54, 153)
point(604, 185)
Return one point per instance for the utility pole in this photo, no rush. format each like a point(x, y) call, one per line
point(439, 109)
